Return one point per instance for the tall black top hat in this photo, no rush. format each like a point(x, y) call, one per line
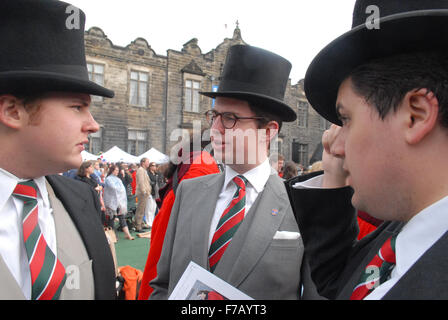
point(258, 76)
point(43, 48)
point(404, 26)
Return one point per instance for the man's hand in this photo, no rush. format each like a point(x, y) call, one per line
point(334, 174)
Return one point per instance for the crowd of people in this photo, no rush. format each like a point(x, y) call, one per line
point(271, 233)
point(119, 191)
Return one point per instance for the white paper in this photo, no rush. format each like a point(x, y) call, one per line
point(197, 283)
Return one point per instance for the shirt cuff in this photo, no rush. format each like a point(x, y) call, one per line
point(313, 183)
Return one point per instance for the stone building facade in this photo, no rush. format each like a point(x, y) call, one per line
point(157, 95)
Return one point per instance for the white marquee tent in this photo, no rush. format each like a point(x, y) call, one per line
point(88, 156)
point(155, 155)
point(115, 154)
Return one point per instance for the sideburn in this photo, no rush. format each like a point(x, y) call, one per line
point(32, 107)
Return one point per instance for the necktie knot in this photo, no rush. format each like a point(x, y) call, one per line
point(26, 190)
point(240, 181)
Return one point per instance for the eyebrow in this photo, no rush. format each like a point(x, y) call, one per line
point(84, 102)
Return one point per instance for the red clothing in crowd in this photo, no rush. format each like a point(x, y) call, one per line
point(207, 166)
point(367, 224)
point(134, 181)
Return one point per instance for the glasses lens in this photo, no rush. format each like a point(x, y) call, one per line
point(228, 120)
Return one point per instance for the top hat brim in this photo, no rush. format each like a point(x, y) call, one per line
point(264, 102)
point(29, 81)
point(415, 31)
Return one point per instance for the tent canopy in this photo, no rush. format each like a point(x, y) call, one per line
point(115, 154)
point(88, 156)
point(155, 155)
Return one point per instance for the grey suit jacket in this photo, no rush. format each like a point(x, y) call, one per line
point(254, 262)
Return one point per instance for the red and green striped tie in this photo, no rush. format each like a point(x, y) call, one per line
point(47, 272)
point(377, 271)
point(231, 219)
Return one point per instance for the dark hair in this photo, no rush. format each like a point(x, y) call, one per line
point(83, 168)
point(289, 170)
point(112, 169)
point(385, 82)
point(142, 160)
point(268, 116)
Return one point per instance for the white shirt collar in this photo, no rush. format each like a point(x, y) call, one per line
point(420, 233)
point(257, 176)
point(8, 182)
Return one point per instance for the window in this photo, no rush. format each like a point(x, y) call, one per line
point(95, 142)
point(96, 74)
point(192, 95)
point(137, 142)
point(300, 153)
point(138, 91)
point(302, 116)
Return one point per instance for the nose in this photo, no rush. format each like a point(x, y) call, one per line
point(217, 124)
point(91, 126)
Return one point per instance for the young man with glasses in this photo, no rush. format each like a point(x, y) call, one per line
point(238, 224)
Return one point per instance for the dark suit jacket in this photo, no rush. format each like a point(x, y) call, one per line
point(329, 229)
point(82, 204)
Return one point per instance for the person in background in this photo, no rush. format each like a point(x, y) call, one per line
point(85, 174)
point(96, 175)
point(289, 170)
point(115, 200)
point(277, 161)
point(142, 192)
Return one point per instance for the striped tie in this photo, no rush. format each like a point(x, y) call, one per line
point(230, 220)
point(47, 272)
point(377, 271)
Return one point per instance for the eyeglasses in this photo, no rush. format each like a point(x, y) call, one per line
point(228, 119)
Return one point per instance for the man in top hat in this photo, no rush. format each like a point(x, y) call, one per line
point(388, 95)
point(52, 244)
point(238, 224)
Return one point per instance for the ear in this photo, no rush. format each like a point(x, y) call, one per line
point(12, 112)
point(271, 130)
point(422, 110)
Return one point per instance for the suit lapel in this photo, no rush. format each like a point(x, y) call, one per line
point(255, 233)
point(75, 200)
point(426, 279)
point(201, 219)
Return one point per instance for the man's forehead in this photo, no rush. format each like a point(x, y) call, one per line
point(235, 106)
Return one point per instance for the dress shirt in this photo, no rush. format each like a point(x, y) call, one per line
point(12, 247)
point(414, 239)
point(256, 177)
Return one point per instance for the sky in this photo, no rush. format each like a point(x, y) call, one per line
point(294, 29)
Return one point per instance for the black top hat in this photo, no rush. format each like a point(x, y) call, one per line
point(258, 76)
point(404, 26)
point(43, 48)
